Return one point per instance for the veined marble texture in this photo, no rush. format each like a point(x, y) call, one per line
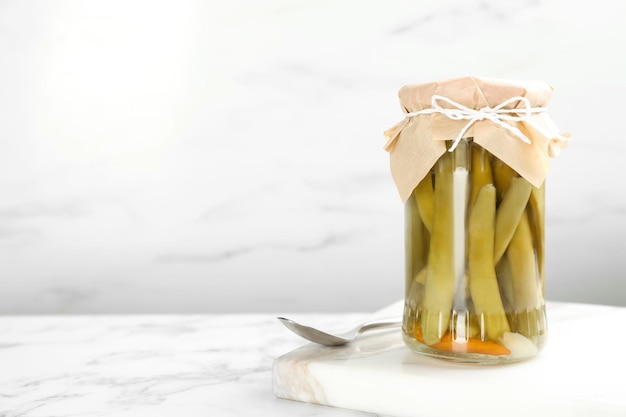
point(148, 365)
point(227, 156)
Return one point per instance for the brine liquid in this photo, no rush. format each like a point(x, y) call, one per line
point(465, 340)
point(474, 239)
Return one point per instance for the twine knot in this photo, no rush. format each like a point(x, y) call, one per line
point(499, 115)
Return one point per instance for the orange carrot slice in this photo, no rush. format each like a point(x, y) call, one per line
point(472, 345)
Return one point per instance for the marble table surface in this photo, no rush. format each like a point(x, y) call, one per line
point(148, 365)
point(154, 365)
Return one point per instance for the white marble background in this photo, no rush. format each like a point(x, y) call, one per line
point(181, 156)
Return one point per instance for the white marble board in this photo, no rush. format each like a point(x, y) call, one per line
point(580, 372)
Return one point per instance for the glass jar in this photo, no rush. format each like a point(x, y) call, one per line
point(470, 160)
point(475, 257)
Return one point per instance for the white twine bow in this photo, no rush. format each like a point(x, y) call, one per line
point(498, 115)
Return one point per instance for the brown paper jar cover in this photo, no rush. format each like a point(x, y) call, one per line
point(417, 142)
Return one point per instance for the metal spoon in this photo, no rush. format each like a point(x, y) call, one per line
point(327, 339)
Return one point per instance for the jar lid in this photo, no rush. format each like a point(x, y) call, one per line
point(506, 117)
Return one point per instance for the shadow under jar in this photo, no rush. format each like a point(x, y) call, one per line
point(474, 238)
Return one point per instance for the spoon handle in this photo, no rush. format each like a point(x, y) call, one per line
point(378, 324)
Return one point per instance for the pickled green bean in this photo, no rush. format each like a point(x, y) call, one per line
point(482, 278)
point(440, 279)
point(424, 196)
point(521, 257)
point(509, 214)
